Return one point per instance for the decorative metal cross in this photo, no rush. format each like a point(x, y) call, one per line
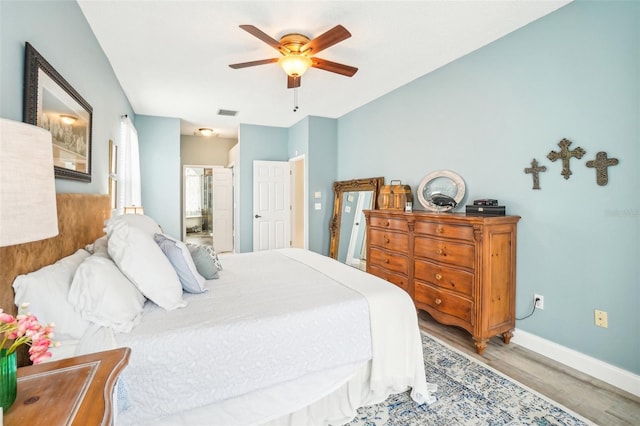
point(535, 170)
point(566, 155)
point(601, 164)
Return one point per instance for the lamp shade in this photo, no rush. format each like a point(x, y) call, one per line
point(27, 184)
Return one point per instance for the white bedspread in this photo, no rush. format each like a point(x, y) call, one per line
point(268, 319)
point(329, 396)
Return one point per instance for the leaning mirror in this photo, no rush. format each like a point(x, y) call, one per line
point(347, 227)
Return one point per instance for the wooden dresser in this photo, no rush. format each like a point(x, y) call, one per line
point(459, 268)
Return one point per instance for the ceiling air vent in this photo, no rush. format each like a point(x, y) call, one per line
point(227, 112)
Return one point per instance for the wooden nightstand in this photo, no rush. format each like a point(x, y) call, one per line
point(72, 391)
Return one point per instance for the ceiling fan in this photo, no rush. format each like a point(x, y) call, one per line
point(298, 53)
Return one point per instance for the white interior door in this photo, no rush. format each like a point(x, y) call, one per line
point(271, 205)
point(222, 209)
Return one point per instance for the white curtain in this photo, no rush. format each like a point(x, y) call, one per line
point(128, 166)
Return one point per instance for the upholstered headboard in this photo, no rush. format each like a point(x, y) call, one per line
point(81, 220)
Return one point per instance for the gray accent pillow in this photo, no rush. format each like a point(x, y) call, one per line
point(206, 260)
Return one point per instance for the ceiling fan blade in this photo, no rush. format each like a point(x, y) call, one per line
point(335, 67)
point(293, 82)
point(253, 63)
point(256, 32)
point(328, 39)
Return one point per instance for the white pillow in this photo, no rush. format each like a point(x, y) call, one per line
point(180, 258)
point(103, 295)
point(98, 247)
point(46, 291)
point(142, 222)
point(141, 260)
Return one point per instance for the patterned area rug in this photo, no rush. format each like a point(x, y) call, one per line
point(469, 393)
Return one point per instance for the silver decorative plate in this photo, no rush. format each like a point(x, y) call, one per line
point(444, 185)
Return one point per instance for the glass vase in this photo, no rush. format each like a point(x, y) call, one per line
point(8, 379)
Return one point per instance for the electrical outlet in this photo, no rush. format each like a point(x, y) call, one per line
point(538, 299)
point(601, 318)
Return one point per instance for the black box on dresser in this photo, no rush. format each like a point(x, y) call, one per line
point(486, 210)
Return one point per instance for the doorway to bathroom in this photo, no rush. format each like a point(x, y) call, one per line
point(208, 206)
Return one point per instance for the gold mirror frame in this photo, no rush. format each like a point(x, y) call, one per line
point(339, 188)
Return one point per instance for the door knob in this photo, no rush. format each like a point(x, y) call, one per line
point(257, 216)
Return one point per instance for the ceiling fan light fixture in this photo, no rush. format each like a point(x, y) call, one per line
point(295, 65)
point(205, 131)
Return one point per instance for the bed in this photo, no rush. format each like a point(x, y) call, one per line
point(280, 337)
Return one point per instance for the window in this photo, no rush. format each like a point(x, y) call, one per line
point(128, 180)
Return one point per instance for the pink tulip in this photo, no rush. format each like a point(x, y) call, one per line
point(25, 329)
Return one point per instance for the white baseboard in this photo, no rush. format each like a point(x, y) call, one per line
point(608, 373)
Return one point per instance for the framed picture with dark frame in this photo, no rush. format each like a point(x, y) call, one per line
point(51, 103)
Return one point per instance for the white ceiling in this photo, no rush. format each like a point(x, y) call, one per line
point(172, 57)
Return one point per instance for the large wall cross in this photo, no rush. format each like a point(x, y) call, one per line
point(601, 164)
point(566, 155)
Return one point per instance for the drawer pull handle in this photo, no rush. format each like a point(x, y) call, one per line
point(438, 277)
point(386, 239)
point(439, 251)
point(439, 230)
point(386, 261)
point(387, 224)
point(438, 301)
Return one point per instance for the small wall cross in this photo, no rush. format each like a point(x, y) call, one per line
point(566, 155)
point(535, 170)
point(601, 164)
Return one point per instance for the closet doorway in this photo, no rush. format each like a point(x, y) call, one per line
point(208, 206)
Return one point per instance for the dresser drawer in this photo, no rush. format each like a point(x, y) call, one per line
point(400, 280)
point(390, 240)
point(444, 277)
point(444, 302)
point(388, 260)
point(388, 223)
point(444, 230)
point(458, 254)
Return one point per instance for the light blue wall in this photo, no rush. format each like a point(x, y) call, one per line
point(60, 33)
point(255, 143)
point(298, 139)
point(323, 169)
point(574, 74)
point(160, 171)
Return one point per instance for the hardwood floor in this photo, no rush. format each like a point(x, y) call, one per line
point(593, 399)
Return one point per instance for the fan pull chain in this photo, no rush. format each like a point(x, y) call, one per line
point(295, 99)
